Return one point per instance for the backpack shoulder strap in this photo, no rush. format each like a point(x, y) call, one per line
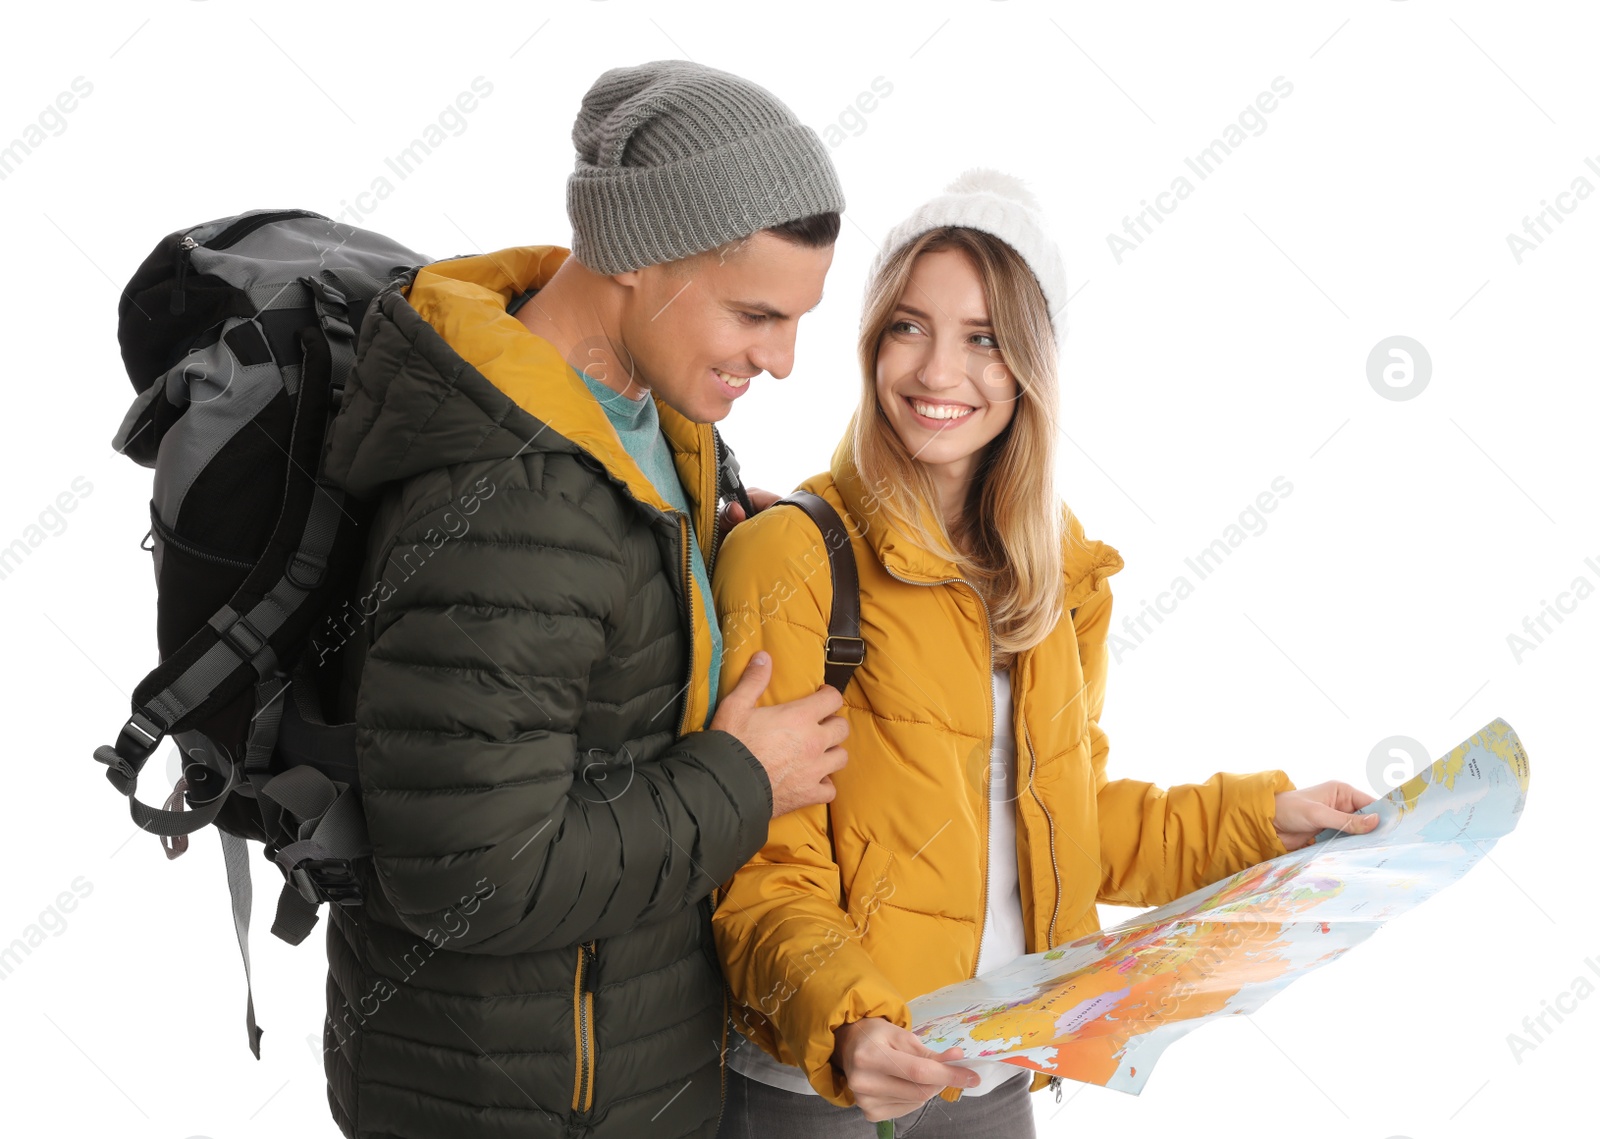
point(728, 484)
point(845, 650)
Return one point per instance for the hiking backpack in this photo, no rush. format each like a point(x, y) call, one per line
point(238, 335)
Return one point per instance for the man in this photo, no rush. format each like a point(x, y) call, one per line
point(550, 798)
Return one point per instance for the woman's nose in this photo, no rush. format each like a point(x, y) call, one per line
point(944, 369)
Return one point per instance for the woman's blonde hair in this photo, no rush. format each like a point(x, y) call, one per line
point(1008, 544)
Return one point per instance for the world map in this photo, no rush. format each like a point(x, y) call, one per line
point(1103, 1008)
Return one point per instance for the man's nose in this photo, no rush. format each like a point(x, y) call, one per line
point(775, 357)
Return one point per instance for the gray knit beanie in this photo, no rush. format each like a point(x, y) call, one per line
point(675, 158)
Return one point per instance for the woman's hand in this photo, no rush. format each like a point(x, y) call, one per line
point(890, 1071)
point(733, 511)
point(1301, 814)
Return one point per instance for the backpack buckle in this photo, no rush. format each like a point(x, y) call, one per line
point(326, 879)
point(854, 649)
point(138, 738)
point(248, 643)
point(243, 638)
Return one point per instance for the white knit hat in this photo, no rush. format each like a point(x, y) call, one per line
point(998, 203)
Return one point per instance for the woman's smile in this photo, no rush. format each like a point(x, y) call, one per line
point(939, 414)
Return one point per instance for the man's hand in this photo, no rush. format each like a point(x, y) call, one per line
point(890, 1071)
point(798, 742)
point(1303, 813)
point(733, 511)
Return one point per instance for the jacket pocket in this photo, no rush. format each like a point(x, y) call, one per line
point(870, 886)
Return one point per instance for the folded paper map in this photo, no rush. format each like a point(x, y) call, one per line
point(1103, 1008)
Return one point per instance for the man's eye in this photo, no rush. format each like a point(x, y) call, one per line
point(753, 317)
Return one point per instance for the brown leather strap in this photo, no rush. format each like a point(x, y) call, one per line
point(844, 650)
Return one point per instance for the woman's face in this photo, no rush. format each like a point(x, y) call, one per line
point(940, 378)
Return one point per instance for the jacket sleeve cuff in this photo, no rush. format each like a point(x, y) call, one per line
point(760, 784)
point(1256, 840)
point(827, 1079)
point(743, 780)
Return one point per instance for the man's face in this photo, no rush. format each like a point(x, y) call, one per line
point(700, 331)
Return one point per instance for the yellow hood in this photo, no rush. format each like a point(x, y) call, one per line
point(465, 299)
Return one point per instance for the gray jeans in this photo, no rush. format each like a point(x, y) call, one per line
point(755, 1110)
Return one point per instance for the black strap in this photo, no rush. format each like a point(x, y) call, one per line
point(844, 651)
point(728, 476)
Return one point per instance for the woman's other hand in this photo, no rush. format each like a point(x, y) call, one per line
point(1303, 813)
point(890, 1071)
point(733, 511)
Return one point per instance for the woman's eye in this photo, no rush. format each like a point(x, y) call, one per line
point(903, 325)
point(990, 342)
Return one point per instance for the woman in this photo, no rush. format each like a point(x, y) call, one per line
point(974, 821)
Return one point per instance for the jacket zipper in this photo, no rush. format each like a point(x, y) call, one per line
point(716, 525)
point(1033, 787)
point(688, 599)
point(583, 989)
point(711, 900)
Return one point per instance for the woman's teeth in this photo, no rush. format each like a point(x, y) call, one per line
point(941, 410)
point(730, 380)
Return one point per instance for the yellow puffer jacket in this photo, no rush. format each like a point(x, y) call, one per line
point(852, 909)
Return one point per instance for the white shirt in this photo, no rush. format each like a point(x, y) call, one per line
point(1003, 939)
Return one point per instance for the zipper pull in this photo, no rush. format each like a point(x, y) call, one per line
point(1055, 1085)
point(593, 960)
point(176, 305)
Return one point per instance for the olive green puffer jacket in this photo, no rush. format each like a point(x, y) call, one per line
point(534, 957)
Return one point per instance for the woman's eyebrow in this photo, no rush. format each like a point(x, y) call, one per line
point(973, 322)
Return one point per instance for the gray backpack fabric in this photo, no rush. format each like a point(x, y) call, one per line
point(238, 336)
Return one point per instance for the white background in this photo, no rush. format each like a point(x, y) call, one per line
point(1229, 348)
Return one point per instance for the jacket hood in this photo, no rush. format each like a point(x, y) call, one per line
point(1085, 562)
point(444, 374)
